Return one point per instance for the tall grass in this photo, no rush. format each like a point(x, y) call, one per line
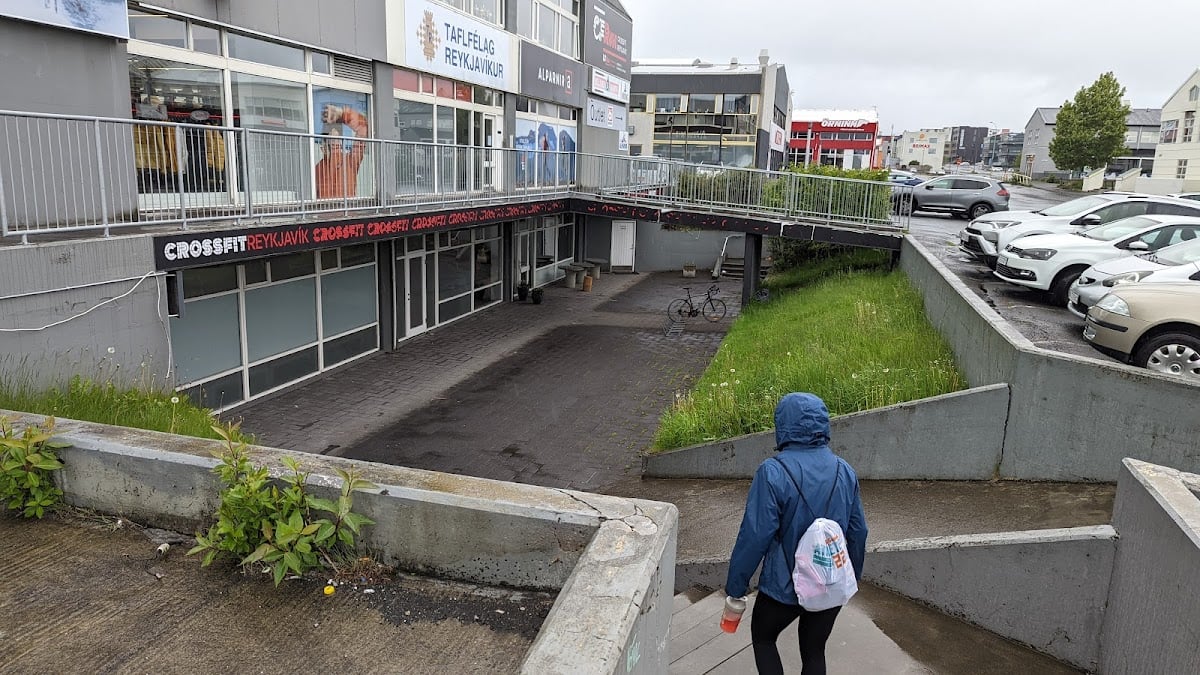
point(105, 399)
point(858, 339)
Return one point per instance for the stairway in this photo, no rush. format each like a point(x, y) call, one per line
point(735, 268)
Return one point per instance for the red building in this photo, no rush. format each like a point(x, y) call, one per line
point(842, 138)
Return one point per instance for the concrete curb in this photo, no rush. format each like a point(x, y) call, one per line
point(611, 559)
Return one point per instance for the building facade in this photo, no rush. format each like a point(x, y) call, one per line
point(1177, 155)
point(732, 114)
point(1003, 148)
point(842, 138)
point(965, 146)
point(322, 108)
point(921, 148)
point(1142, 127)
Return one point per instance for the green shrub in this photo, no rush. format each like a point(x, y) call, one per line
point(1052, 179)
point(258, 522)
point(27, 463)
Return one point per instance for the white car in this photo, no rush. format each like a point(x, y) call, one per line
point(987, 235)
point(1174, 264)
point(1052, 262)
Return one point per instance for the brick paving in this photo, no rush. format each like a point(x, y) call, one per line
point(576, 383)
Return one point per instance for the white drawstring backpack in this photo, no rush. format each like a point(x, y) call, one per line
point(822, 575)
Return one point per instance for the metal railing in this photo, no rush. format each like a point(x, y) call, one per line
point(64, 173)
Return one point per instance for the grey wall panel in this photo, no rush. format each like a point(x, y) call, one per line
point(597, 242)
point(690, 83)
point(955, 436)
point(54, 70)
point(356, 27)
point(1152, 610)
point(1044, 588)
point(94, 273)
point(661, 250)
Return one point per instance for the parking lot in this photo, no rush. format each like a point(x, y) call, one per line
point(1045, 324)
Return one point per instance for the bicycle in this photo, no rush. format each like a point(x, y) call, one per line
point(711, 307)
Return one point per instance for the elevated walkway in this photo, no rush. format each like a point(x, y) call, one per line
point(109, 175)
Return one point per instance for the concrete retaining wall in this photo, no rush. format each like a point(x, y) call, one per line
point(1044, 588)
point(952, 437)
point(1153, 621)
point(610, 559)
point(1070, 418)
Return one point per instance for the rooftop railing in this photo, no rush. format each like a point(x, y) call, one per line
point(61, 173)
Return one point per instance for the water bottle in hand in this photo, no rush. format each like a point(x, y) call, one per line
point(734, 607)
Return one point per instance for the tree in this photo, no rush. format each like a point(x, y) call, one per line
point(1090, 130)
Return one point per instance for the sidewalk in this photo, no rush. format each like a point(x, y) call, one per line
point(342, 407)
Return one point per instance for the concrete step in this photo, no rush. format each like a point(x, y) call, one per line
point(704, 609)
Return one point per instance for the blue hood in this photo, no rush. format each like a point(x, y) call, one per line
point(801, 421)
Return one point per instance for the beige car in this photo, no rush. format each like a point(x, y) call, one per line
point(1155, 326)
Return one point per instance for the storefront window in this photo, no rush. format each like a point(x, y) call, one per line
point(168, 91)
point(445, 124)
point(276, 163)
point(206, 338)
point(280, 317)
point(347, 300)
point(159, 29)
point(206, 40)
point(247, 48)
point(414, 121)
point(345, 167)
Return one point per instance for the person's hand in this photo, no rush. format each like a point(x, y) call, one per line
point(331, 114)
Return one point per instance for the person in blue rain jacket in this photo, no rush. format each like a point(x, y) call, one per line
point(802, 440)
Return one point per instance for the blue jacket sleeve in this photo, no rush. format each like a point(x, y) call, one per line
point(760, 522)
point(856, 535)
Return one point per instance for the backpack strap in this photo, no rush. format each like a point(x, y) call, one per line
point(800, 491)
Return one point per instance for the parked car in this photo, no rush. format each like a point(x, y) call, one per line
point(1173, 264)
point(1194, 196)
point(1154, 326)
point(898, 177)
point(967, 197)
point(1052, 262)
point(987, 235)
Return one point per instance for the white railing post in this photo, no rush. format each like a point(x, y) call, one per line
point(101, 177)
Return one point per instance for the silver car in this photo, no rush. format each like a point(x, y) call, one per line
point(965, 196)
point(1177, 263)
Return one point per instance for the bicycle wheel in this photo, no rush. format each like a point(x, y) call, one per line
point(714, 309)
point(678, 309)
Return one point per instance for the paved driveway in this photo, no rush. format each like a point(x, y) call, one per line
point(563, 394)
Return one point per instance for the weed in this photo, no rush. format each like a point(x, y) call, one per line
point(258, 522)
point(27, 460)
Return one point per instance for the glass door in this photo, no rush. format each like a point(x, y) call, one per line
point(412, 317)
point(484, 156)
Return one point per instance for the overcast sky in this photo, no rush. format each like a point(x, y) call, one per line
point(936, 63)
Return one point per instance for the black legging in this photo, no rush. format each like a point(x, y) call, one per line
point(768, 620)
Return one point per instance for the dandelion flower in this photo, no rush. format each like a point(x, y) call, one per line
point(854, 376)
point(733, 370)
point(112, 350)
point(724, 384)
point(174, 400)
point(887, 370)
